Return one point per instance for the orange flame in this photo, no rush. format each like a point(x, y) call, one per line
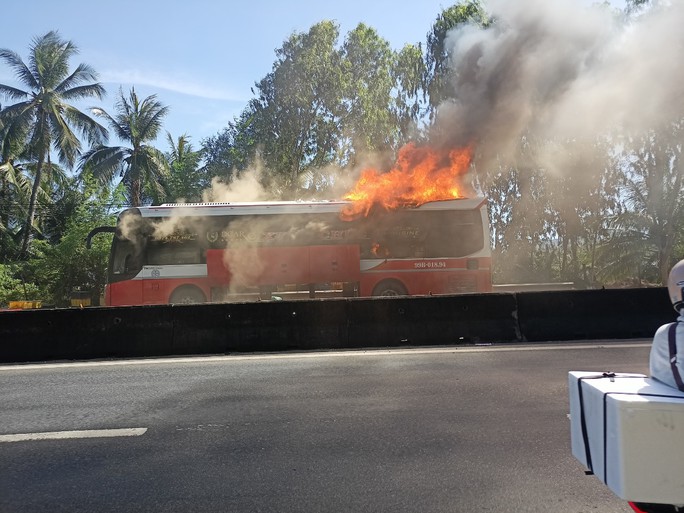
point(421, 174)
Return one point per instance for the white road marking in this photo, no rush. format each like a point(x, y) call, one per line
point(351, 353)
point(63, 435)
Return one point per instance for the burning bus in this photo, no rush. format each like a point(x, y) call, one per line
point(184, 253)
point(409, 231)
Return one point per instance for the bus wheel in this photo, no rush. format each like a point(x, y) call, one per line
point(390, 288)
point(187, 295)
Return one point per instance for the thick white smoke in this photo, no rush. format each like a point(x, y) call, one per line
point(245, 188)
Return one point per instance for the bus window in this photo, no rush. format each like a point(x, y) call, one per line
point(460, 235)
point(168, 253)
point(450, 234)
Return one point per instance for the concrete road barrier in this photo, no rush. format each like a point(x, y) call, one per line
point(593, 314)
point(437, 320)
point(260, 326)
point(118, 332)
point(36, 335)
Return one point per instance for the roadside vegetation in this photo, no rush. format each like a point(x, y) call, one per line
point(330, 101)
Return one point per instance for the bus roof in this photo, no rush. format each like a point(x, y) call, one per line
point(283, 207)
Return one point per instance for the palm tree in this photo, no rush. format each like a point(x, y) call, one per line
point(42, 120)
point(16, 186)
point(186, 179)
point(15, 189)
point(142, 167)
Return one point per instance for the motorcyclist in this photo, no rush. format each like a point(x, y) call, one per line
point(667, 361)
point(667, 351)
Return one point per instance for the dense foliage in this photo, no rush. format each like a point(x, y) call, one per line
point(330, 104)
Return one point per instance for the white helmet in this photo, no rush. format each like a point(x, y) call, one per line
point(675, 285)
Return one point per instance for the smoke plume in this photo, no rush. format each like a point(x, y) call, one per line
point(245, 188)
point(557, 69)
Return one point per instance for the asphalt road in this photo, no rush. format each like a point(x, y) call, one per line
point(428, 430)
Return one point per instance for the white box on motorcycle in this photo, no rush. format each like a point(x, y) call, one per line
point(628, 430)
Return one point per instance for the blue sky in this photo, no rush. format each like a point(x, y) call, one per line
point(200, 57)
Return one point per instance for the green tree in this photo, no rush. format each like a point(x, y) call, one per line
point(295, 116)
point(60, 206)
point(519, 222)
point(438, 78)
point(43, 121)
point(186, 179)
point(232, 150)
point(323, 105)
point(141, 167)
point(381, 94)
point(634, 6)
point(409, 71)
point(368, 120)
point(648, 228)
point(15, 189)
point(14, 288)
point(16, 184)
point(67, 265)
